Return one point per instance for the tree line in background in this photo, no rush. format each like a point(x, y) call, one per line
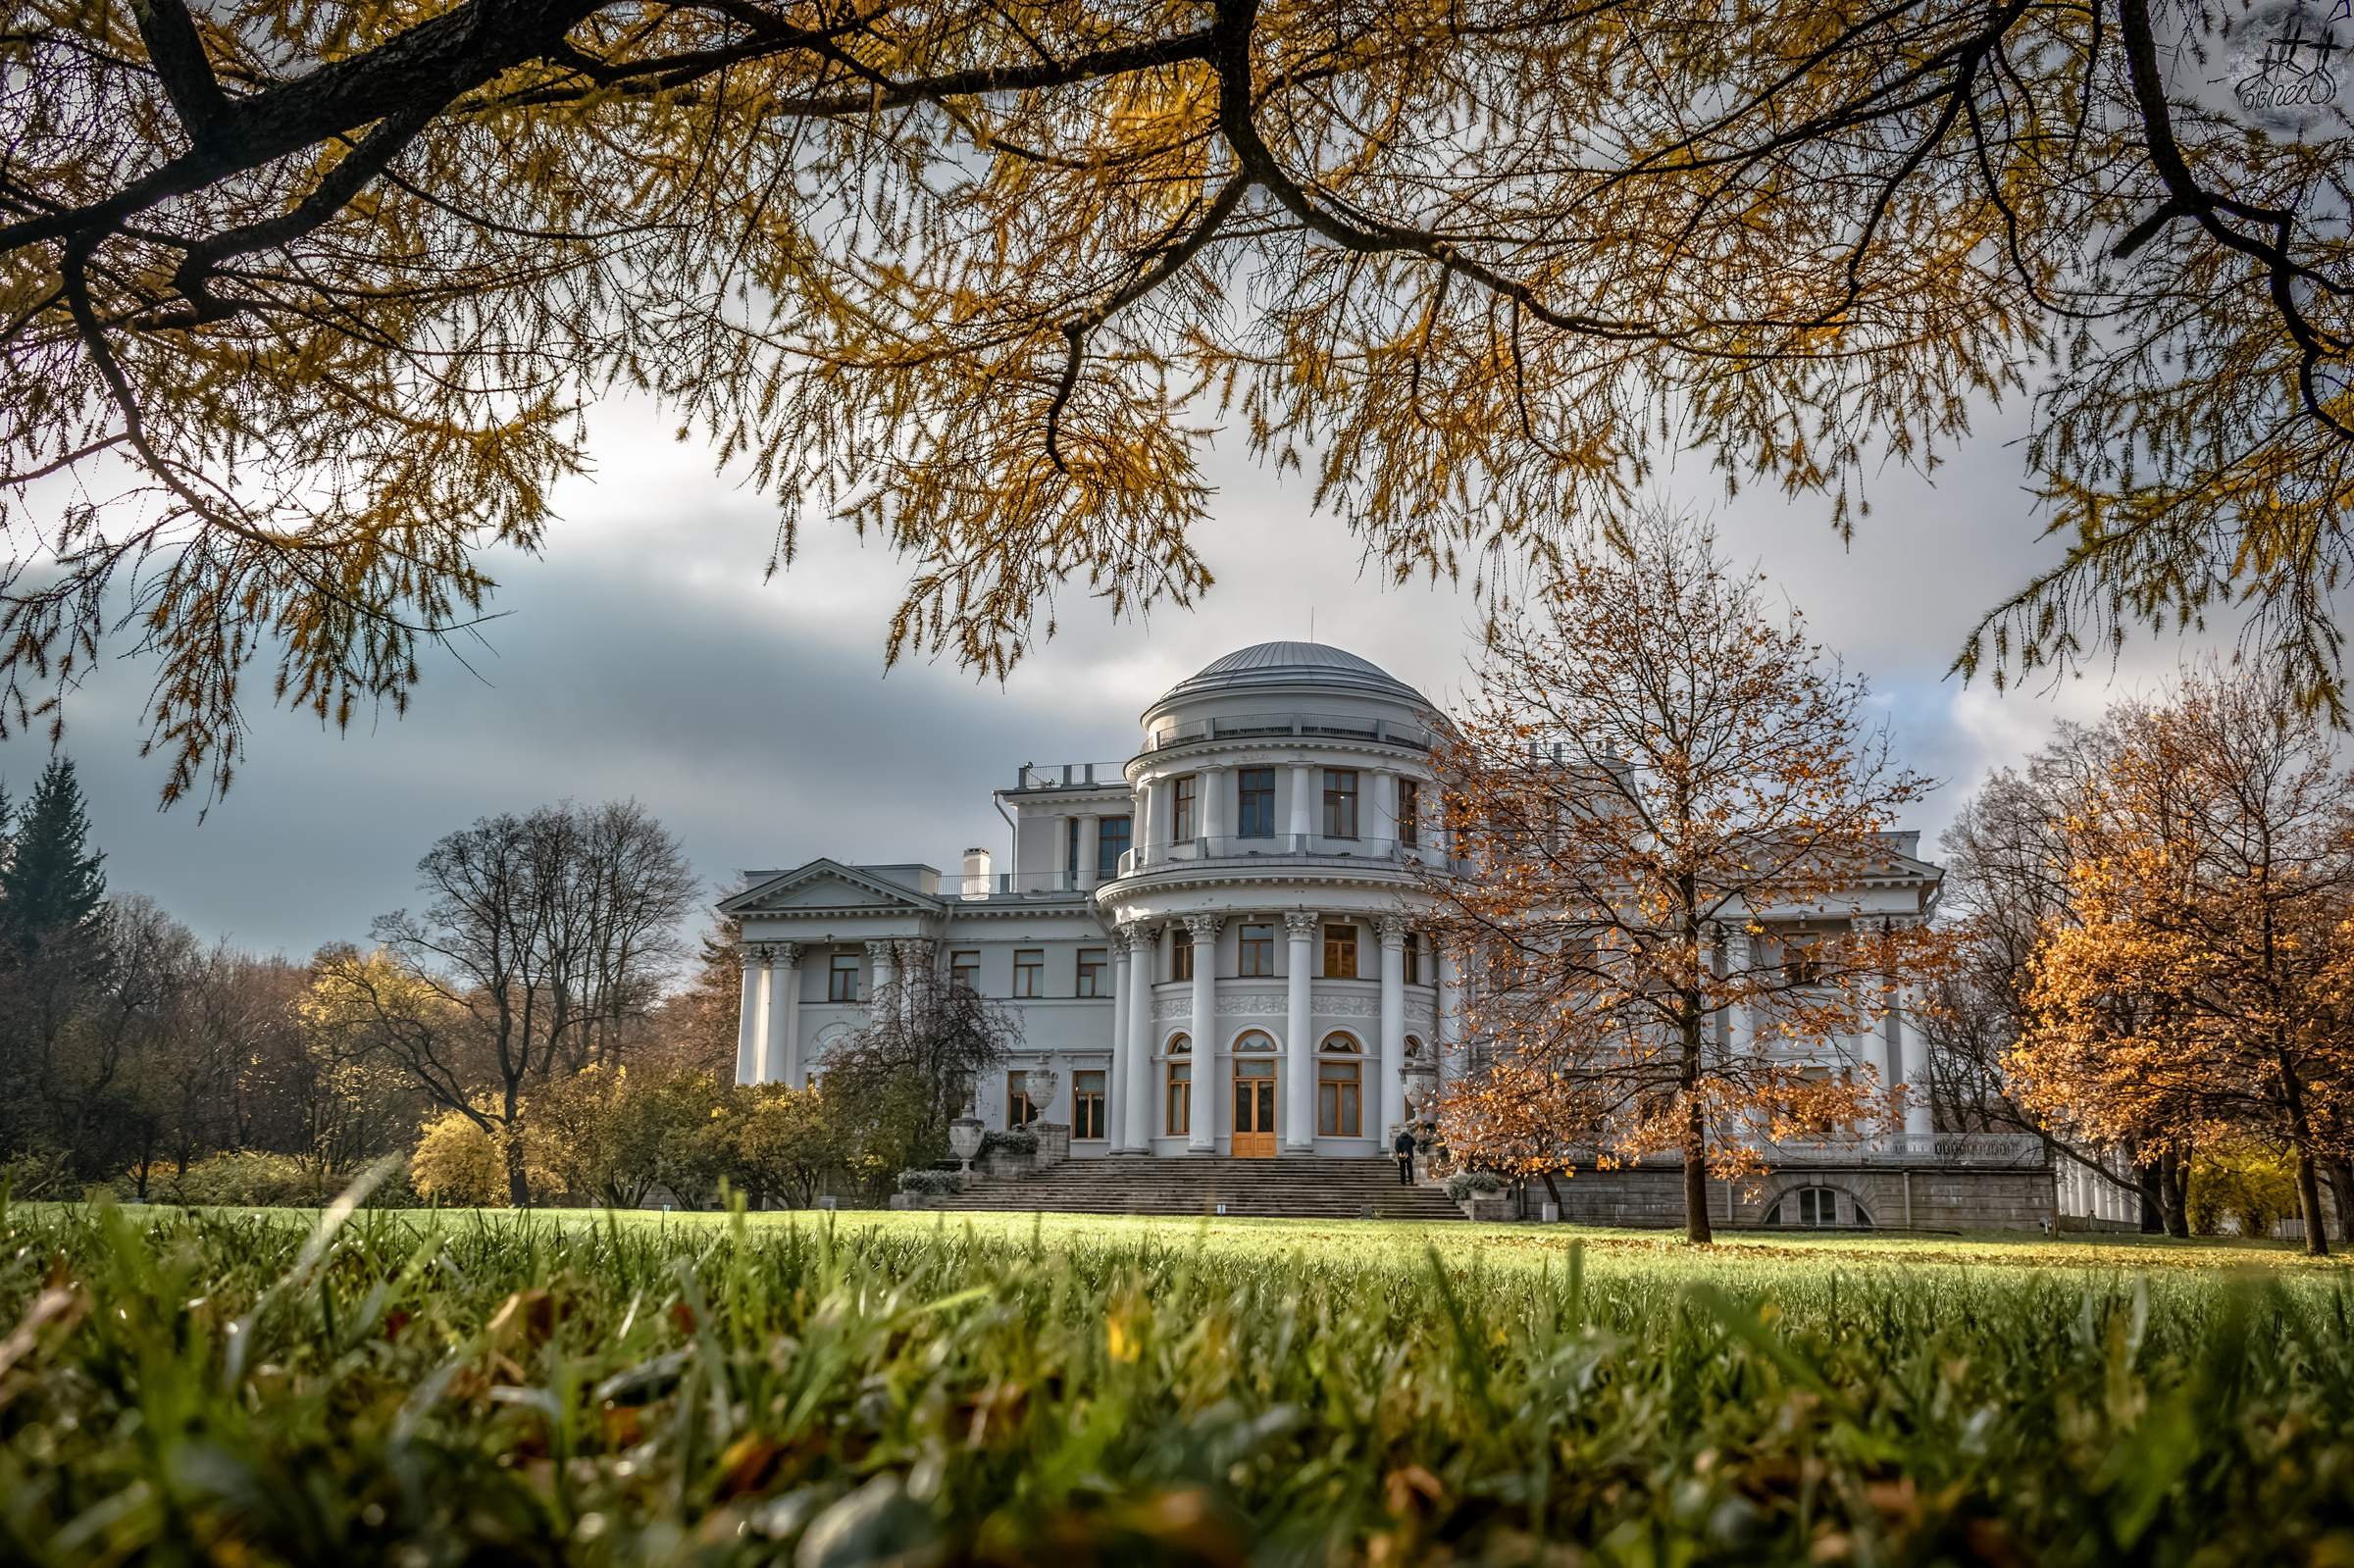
point(537, 1030)
point(2155, 924)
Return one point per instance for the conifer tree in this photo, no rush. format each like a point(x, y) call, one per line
point(52, 888)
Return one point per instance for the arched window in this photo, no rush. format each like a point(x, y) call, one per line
point(1413, 1047)
point(1341, 1088)
point(1814, 1205)
point(1179, 1116)
point(1180, 1045)
point(1253, 1041)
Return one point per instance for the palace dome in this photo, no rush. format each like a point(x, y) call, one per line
point(1268, 666)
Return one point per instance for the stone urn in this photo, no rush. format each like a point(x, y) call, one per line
point(964, 1141)
point(1041, 1082)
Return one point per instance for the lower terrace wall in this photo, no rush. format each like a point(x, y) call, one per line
point(1931, 1197)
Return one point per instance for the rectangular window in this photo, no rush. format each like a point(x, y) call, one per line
point(1020, 1112)
point(1255, 802)
point(1258, 951)
point(1340, 802)
point(1029, 972)
point(1070, 849)
point(1181, 954)
point(1181, 809)
point(1093, 973)
point(1111, 842)
point(841, 979)
point(1181, 1099)
point(1414, 958)
point(1339, 1099)
point(1087, 1104)
point(1802, 965)
point(965, 973)
point(1340, 952)
point(1410, 812)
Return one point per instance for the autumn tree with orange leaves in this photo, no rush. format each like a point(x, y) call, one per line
point(1661, 779)
point(2199, 994)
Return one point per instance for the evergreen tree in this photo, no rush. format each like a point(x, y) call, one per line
point(51, 887)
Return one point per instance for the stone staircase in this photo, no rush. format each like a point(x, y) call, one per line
point(1300, 1187)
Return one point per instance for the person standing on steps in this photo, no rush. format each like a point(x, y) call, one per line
point(1404, 1147)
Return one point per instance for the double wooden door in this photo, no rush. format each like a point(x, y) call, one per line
point(1254, 1120)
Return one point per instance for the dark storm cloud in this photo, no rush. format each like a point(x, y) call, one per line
point(644, 657)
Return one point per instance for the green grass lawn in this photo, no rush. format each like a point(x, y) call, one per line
point(249, 1388)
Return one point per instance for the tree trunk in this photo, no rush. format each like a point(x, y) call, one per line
point(2300, 1137)
point(2149, 1180)
point(2341, 1187)
point(1554, 1192)
point(2173, 1189)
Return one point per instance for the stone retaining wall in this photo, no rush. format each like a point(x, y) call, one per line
point(1929, 1197)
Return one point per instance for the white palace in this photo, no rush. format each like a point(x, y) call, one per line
point(1211, 947)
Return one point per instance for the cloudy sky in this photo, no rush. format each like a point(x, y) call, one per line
point(644, 657)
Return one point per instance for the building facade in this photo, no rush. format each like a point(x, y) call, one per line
point(1213, 947)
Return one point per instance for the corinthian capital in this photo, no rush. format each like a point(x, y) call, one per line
point(1302, 921)
point(1393, 930)
point(1205, 928)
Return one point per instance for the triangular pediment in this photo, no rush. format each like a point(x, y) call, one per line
point(825, 884)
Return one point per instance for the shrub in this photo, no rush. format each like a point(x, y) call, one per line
point(1009, 1140)
point(931, 1183)
point(1472, 1184)
point(251, 1179)
point(459, 1163)
point(40, 1175)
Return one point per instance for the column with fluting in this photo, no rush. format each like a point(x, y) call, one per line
point(1142, 944)
point(1920, 1116)
point(1299, 1046)
point(1393, 1024)
point(780, 1046)
point(1450, 1013)
point(748, 1017)
point(882, 970)
point(1203, 1133)
point(1125, 1139)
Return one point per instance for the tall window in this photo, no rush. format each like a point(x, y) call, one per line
point(1802, 964)
point(1178, 1118)
point(1340, 1093)
point(1255, 802)
point(1181, 954)
point(1086, 1103)
point(1414, 958)
point(1340, 802)
point(1340, 952)
point(1256, 945)
point(841, 979)
point(1410, 812)
point(1111, 842)
point(964, 971)
point(1182, 816)
point(1093, 973)
point(1029, 972)
point(1070, 847)
point(1020, 1112)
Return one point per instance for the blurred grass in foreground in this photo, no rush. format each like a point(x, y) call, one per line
point(428, 1389)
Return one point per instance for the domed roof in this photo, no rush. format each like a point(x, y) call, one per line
point(1267, 665)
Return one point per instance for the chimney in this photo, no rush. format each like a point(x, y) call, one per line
point(976, 873)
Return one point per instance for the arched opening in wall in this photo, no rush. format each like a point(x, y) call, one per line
point(1815, 1205)
point(1252, 1121)
point(1177, 1120)
point(1416, 1051)
point(1340, 1087)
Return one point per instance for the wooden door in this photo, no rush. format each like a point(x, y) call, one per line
point(1254, 1109)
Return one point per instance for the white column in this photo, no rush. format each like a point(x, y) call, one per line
point(1384, 826)
point(1450, 1013)
point(780, 1056)
point(748, 1017)
point(1741, 1026)
point(1142, 943)
point(1299, 1047)
point(1125, 1139)
point(1140, 822)
point(879, 960)
point(1921, 1114)
point(1213, 788)
point(1091, 850)
point(1303, 801)
point(1393, 1024)
point(1202, 1134)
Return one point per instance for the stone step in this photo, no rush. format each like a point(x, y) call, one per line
point(1296, 1185)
